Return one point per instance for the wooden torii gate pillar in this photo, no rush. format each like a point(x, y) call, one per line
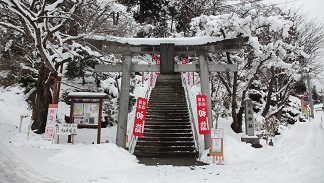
point(167, 48)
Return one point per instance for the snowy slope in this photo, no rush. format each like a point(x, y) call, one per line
point(297, 155)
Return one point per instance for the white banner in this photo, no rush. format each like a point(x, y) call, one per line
point(51, 120)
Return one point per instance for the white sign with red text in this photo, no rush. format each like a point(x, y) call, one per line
point(51, 120)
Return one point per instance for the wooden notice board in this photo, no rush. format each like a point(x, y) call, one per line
point(217, 144)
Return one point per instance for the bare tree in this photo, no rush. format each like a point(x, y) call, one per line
point(309, 33)
point(54, 28)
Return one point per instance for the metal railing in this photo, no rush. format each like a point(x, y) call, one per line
point(192, 120)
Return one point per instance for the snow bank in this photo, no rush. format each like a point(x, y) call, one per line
point(94, 157)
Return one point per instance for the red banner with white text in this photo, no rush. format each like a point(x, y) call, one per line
point(157, 63)
point(152, 79)
point(155, 57)
point(202, 114)
point(183, 61)
point(140, 116)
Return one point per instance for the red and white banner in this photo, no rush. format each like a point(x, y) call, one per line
point(152, 79)
point(51, 120)
point(155, 57)
point(49, 133)
point(140, 116)
point(157, 63)
point(183, 61)
point(189, 78)
point(202, 114)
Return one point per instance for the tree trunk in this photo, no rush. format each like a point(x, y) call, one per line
point(270, 91)
point(141, 15)
point(237, 122)
point(43, 98)
point(82, 72)
point(237, 127)
point(279, 113)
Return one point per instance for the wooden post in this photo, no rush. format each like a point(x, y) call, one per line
point(20, 123)
point(143, 79)
point(99, 122)
point(71, 117)
point(123, 103)
point(59, 78)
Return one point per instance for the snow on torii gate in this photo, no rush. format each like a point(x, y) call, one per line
point(168, 48)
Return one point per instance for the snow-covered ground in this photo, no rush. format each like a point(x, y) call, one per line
point(297, 155)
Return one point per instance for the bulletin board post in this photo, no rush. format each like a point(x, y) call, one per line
point(217, 145)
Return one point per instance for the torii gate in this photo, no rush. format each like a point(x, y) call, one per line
point(168, 48)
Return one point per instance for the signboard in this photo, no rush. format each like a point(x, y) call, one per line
point(66, 129)
point(140, 116)
point(303, 106)
point(202, 114)
point(49, 133)
point(86, 113)
point(51, 120)
point(217, 133)
point(217, 144)
point(249, 122)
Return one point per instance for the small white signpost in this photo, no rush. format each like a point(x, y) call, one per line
point(217, 145)
point(66, 129)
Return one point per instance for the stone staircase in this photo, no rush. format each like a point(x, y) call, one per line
point(168, 135)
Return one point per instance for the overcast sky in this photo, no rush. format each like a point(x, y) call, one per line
point(314, 7)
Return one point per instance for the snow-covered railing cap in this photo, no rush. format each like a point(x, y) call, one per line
point(87, 95)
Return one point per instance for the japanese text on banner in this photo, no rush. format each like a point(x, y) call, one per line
point(184, 61)
point(202, 114)
point(140, 116)
point(157, 61)
point(51, 120)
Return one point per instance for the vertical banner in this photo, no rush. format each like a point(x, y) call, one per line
point(303, 106)
point(189, 78)
point(183, 61)
point(51, 120)
point(157, 60)
point(155, 56)
point(202, 114)
point(152, 79)
point(157, 63)
point(140, 116)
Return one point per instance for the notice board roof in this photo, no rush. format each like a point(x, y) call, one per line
point(87, 95)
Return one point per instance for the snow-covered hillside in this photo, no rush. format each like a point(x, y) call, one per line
point(297, 155)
